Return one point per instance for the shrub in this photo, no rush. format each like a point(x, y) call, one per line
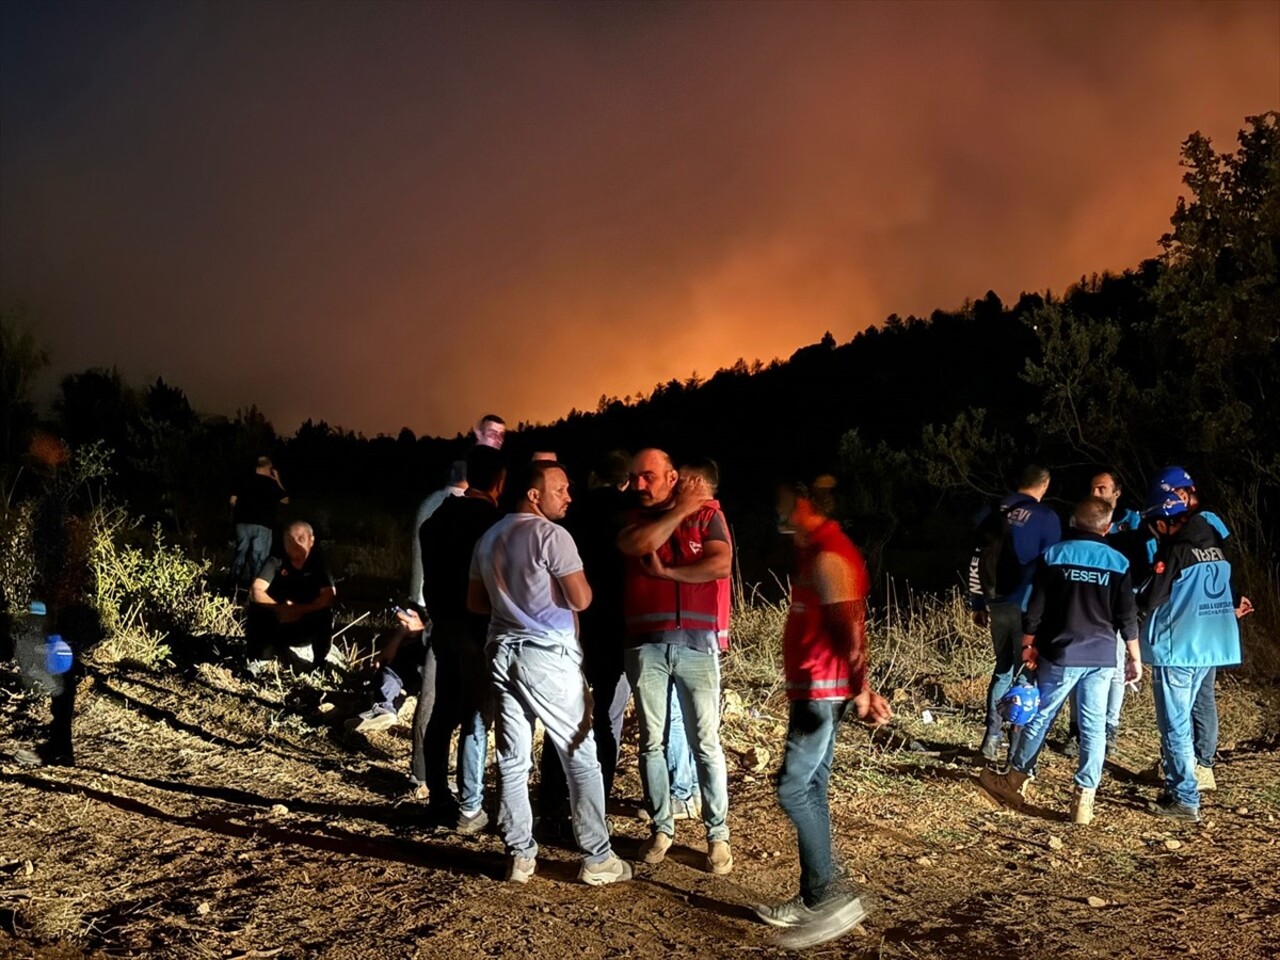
point(146, 590)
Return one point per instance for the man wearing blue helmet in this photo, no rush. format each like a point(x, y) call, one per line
point(1081, 597)
point(1177, 481)
point(1190, 629)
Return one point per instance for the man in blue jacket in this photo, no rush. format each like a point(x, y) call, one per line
point(1011, 537)
point(1081, 598)
point(1190, 629)
point(1204, 712)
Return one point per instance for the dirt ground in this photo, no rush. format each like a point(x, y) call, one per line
point(214, 816)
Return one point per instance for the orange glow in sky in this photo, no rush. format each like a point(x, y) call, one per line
point(387, 215)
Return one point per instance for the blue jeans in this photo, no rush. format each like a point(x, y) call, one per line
point(1175, 690)
point(653, 669)
point(1204, 720)
point(802, 789)
point(1056, 683)
point(544, 682)
point(1006, 638)
point(1115, 697)
point(680, 762)
point(253, 545)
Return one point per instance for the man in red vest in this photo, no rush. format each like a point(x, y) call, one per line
point(824, 651)
point(676, 546)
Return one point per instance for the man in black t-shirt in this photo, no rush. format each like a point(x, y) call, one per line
point(594, 522)
point(291, 602)
point(253, 511)
point(457, 640)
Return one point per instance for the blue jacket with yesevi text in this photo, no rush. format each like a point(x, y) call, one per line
point(1081, 597)
point(1188, 602)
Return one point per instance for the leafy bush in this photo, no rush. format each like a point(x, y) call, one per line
point(146, 590)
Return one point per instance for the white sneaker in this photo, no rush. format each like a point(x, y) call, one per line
point(521, 869)
point(613, 870)
point(690, 809)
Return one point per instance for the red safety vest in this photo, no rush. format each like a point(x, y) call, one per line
point(654, 605)
point(816, 666)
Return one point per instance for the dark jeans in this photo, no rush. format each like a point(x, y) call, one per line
point(390, 680)
point(461, 700)
point(1006, 638)
point(802, 789)
point(264, 632)
point(610, 692)
point(1204, 721)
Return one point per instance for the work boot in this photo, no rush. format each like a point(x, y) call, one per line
point(654, 850)
point(1205, 780)
point(1010, 788)
point(1082, 805)
point(719, 857)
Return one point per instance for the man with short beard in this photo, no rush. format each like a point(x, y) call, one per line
point(676, 547)
point(526, 575)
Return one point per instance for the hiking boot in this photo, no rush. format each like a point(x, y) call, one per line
point(789, 913)
point(613, 870)
point(1010, 788)
point(1113, 737)
point(1082, 805)
point(1165, 806)
point(831, 919)
point(654, 850)
point(1205, 780)
point(719, 857)
point(1071, 749)
point(520, 869)
point(370, 721)
point(469, 824)
point(690, 809)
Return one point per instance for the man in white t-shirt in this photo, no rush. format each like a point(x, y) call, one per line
point(527, 576)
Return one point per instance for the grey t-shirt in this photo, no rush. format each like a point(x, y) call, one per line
point(519, 560)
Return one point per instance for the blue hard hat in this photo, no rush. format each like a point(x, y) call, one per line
point(1163, 505)
point(1170, 479)
point(58, 657)
point(1020, 704)
point(37, 608)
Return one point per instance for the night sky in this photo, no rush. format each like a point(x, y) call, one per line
point(398, 214)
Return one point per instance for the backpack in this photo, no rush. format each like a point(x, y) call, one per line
point(995, 559)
